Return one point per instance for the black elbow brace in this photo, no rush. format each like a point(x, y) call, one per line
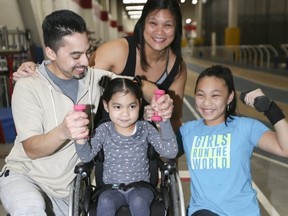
point(274, 113)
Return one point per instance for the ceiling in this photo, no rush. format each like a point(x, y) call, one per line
point(133, 8)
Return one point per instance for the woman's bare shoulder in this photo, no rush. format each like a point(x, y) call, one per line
point(112, 55)
point(116, 45)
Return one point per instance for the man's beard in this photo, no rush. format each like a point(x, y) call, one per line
point(80, 76)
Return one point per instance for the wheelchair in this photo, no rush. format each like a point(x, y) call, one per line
point(168, 201)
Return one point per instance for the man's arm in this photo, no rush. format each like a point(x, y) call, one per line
point(46, 144)
point(36, 132)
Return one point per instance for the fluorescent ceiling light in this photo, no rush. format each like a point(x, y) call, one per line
point(134, 16)
point(139, 7)
point(134, 12)
point(134, 1)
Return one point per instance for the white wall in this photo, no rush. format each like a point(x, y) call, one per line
point(10, 14)
point(12, 21)
point(29, 14)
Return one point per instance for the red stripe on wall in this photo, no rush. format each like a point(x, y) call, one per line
point(84, 3)
point(104, 15)
point(113, 23)
point(120, 28)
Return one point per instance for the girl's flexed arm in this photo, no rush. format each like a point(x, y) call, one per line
point(273, 142)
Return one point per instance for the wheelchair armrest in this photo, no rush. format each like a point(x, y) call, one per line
point(84, 167)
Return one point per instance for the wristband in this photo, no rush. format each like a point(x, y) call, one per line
point(274, 114)
point(262, 103)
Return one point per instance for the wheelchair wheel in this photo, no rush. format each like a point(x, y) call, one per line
point(80, 196)
point(176, 196)
point(77, 195)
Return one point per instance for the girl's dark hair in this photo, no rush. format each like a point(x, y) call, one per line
point(59, 24)
point(151, 6)
point(225, 74)
point(112, 86)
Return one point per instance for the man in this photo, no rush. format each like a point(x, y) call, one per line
point(39, 169)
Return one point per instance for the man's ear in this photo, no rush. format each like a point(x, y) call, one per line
point(50, 53)
point(105, 105)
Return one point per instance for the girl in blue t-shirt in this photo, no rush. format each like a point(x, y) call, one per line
point(219, 146)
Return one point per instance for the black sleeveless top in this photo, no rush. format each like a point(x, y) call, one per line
point(130, 66)
point(129, 70)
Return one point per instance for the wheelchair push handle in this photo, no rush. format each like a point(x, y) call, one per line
point(158, 93)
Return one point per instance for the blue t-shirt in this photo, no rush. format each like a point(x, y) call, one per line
point(218, 159)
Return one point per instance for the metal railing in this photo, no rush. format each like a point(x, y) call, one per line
point(13, 39)
point(262, 55)
point(284, 47)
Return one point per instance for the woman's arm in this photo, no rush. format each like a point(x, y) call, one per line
point(176, 92)
point(26, 69)
point(112, 55)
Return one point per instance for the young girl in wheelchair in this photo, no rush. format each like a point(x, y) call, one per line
point(124, 141)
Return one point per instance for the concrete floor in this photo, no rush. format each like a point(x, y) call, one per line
point(269, 172)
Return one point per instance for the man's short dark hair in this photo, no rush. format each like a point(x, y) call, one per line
point(61, 23)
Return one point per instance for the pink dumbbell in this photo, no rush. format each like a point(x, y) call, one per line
point(158, 93)
point(79, 107)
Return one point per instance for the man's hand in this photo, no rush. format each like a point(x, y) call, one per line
point(75, 125)
point(26, 69)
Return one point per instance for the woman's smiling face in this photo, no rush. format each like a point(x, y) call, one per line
point(159, 29)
